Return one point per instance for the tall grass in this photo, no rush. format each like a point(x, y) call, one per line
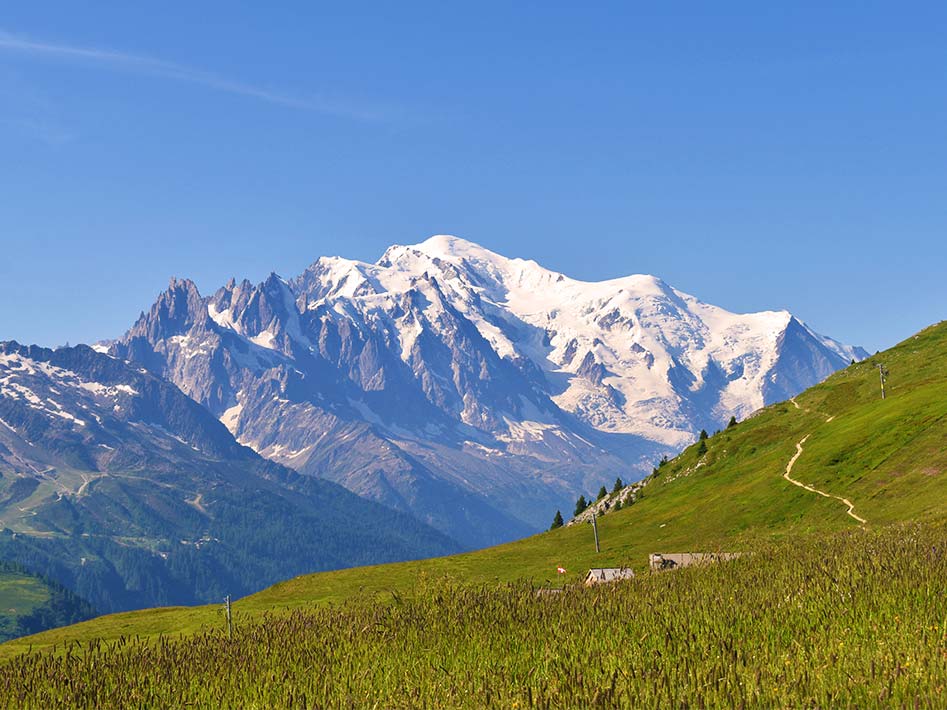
point(854, 619)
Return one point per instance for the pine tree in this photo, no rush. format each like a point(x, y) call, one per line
point(703, 434)
point(732, 423)
point(618, 485)
point(602, 492)
point(618, 504)
point(557, 521)
point(580, 505)
point(702, 448)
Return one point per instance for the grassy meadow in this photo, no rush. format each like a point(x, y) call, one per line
point(847, 619)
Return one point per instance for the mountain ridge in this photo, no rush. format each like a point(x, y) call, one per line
point(117, 485)
point(507, 387)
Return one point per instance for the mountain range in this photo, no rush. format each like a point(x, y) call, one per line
point(131, 494)
point(477, 393)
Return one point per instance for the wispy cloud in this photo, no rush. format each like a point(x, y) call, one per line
point(152, 66)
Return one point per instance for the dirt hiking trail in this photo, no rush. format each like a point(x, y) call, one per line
point(792, 462)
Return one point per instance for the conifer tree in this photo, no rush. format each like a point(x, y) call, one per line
point(602, 492)
point(580, 505)
point(703, 434)
point(557, 521)
point(618, 485)
point(732, 423)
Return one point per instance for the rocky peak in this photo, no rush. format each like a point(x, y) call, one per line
point(175, 312)
point(591, 369)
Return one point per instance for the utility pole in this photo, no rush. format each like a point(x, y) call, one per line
point(595, 530)
point(229, 617)
point(883, 373)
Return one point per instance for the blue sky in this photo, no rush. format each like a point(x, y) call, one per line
point(755, 156)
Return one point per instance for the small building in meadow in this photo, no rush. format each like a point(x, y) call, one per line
point(603, 575)
point(668, 560)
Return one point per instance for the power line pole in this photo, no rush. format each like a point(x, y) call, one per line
point(229, 617)
point(595, 530)
point(883, 373)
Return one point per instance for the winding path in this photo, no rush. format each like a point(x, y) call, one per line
point(792, 462)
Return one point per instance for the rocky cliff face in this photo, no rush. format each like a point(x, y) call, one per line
point(474, 391)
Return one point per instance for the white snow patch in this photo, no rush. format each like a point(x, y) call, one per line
point(231, 417)
point(104, 390)
point(222, 318)
point(265, 339)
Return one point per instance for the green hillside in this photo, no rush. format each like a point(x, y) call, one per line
point(29, 603)
point(20, 594)
point(888, 457)
point(850, 619)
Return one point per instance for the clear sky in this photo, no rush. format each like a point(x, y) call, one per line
point(757, 155)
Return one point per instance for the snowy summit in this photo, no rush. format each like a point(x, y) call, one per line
point(446, 375)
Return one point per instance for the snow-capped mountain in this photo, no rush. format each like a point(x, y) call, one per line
point(476, 391)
